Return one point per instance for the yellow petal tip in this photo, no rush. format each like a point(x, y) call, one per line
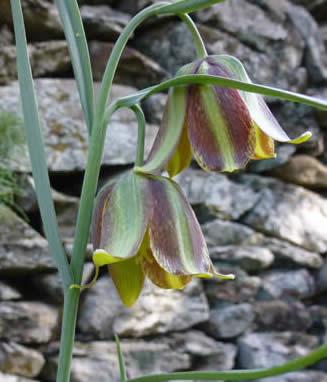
point(101, 257)
point(302, 138)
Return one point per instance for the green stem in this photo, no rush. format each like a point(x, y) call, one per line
point(239, 375)
point(199, 44)
point(140, 134)
point(122, 368)
point(67, 338)
point(88, 193)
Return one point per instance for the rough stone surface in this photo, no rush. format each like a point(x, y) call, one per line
point(134, 69)
point(14, 378)
point(287, 284)
point(102, 22)
point(27, 322)
point(303, 170)
point(51, 284)
point(41, 18)
point(6, 36)
point(17, 359)
point(261, 350)
point(170, 44)
point(65, 134)
point(243, 289)
point(217, 194)
point(282, 315)
point(223, 233)
point(291, 213)
point(228, 321)
point(21, 248)
point(286, 253)
point(250, 258)
point(157, 311)
point(47, 58)
point(8, 292)
point(100, 358)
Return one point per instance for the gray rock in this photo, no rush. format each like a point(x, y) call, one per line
point(303, 170)
point(322, 279)
point(7, 292)
point(261, 350)
point(223, 233)
point(245, 21)
point(315, 51)
point(319, 317)
point(134, 69)
point(216, 193)
point(6, 36)
point(27, 322)
point(288, 212)
point(206, 353)
point(157, 311)
point(21, 248)
point(298, 376)
point(281, 315)
point(249, 258)
point(41, 18)
point(20, 360)
point(170, 44)
point(153, 107)
point(229, 321)
point(51, 285)
point(162, 311)
point(47, 58)
point(100, 358)
point(280, 65)
point(296, 284)
point(65, 134)
point(284, 152)
point(286, 253)
point(14, 378)
point(243, 289)
point(102, 22)
point(135, 6)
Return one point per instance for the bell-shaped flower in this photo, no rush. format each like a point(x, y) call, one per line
point(144, 226)
point(223, 127)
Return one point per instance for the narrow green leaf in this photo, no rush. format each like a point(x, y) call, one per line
point(187, 6)
point(36, 147)
point(239, 375)
point(79, 53)
point(122, 367)
point(221, 81)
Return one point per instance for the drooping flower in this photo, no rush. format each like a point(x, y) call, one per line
point(223, 127)
point(144, 226)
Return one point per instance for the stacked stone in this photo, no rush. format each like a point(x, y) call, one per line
point(268, 224)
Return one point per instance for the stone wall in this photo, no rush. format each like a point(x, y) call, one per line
point(268, 224)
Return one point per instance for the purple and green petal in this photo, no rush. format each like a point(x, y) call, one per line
point(182, 156)
point(157, 274)
point(128, 277)
point(124, 219)
point(220, 127)
point(175, 235)
point(258, 109)
point(169, 132)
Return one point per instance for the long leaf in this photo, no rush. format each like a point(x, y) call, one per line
point(36, 146)
point(221, 81)
point(187, 6)
point(79, 53)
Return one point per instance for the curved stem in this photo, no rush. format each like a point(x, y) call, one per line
point(239, 375)
point(140, 134)
point(199, 44)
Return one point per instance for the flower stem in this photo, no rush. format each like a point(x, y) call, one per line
point(88, 193)
point(239, 375)
point(199, 44)
point(140, 134)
